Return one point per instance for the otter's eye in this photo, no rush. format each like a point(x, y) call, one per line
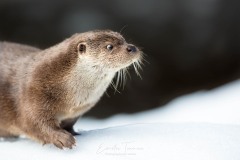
point(109, 47)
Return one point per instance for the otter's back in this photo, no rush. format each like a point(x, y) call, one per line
point(13, 50)
point(11, 55)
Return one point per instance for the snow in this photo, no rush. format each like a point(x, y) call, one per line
point(203, 125)
point(221, 106)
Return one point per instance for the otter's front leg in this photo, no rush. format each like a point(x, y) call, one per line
point(46, 129)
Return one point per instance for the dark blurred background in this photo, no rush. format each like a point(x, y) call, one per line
point(190, 44)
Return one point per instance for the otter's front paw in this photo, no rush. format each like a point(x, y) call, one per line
point(63, 139)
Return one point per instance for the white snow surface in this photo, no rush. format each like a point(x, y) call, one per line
point(200, 126)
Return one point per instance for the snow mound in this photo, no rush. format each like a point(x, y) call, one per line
point(220, 106)
point(203, 125)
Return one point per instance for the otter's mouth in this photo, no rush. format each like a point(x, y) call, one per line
point(134, 58)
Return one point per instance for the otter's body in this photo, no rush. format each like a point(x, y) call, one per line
point(44, 92)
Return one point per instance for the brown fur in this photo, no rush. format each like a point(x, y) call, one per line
point(44, 92)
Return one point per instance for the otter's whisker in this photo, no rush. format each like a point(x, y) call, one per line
point(115, 88)
point(121, 73)
point(127, 73)
point(124, 77)
point(124, 27)
point(143, 59)
point(138, 64)
point(118, 79)
point(136, 70)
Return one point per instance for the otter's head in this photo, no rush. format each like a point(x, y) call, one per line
point(106, 50)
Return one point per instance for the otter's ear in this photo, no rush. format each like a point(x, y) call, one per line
point(81, 48)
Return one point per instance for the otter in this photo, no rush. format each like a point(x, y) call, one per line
point(44, 92)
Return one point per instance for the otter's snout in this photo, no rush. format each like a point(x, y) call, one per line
point(131, 49)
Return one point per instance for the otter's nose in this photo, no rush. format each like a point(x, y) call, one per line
point(131, 48)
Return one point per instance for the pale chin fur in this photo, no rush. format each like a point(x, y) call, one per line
point(86, 84)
